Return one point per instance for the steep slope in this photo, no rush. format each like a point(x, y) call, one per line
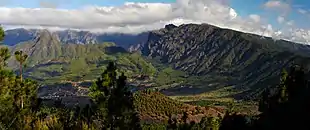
point(223, 57)
point(51, 61)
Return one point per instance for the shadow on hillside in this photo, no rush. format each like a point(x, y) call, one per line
point(115, 49)
point(30, 69)
point(33, 78)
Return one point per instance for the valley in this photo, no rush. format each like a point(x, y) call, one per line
point(187, 61)
point(201, 70)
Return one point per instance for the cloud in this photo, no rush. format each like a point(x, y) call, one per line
point(290, 23)
point(302, 11)
point(255, 18)
point(280, 19)
point(138, 17)
point(277, 5)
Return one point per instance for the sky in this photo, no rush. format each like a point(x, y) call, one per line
point(280, 19)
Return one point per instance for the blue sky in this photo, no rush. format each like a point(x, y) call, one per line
point(242, 7)
point(246, 7)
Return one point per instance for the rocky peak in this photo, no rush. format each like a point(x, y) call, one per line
point(170, 26)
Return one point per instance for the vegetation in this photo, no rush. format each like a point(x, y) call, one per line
point(50, 61)
point(115, 106)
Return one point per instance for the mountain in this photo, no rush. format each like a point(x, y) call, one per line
point(19, 35)
point(190, 58)
point(52, 61)
point(15, 36)
point(218, 57)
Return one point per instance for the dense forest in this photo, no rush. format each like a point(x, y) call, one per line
point(114, 106)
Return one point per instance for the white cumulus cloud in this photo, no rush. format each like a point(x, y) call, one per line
point(138, 17)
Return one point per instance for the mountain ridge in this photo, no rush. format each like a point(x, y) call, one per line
point(49, 59)
point(16, 36)
point(206, 53)
point(237, 59)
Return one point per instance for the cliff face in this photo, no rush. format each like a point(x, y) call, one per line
point(248, 61)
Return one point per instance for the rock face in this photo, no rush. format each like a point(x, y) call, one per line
point(245, 60)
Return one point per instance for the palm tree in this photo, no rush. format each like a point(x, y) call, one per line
point(21, 58)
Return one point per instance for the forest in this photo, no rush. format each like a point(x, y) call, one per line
point(114, 106)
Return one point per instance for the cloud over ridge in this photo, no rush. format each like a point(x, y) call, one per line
point(138, 17)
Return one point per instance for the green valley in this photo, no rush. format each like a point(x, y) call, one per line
point(187, 77)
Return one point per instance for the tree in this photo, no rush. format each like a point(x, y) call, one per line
point(4, 56)
point(232, 122)
point(4, 51)
point(2, 34)
point(114, 100)
point(185, 117)
point(21, 58)
point(283, 95)
point(294, 98)
point(172, 123)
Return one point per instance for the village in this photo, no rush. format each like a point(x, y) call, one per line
point(71, 93)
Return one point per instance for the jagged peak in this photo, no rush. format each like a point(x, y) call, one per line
point(46, 34)
point(170, 26)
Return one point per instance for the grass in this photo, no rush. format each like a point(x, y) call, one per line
point(169, 76)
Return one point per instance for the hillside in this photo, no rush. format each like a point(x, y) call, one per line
point(189, 59)
point(51, 61)
point(154, 106)
point(216, 58)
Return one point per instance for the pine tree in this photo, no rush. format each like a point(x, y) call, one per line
point(114, 100)
point(283, 96)
point(4, 51)
point(2, 34)
point(4, 56)
point(264, 101)
point(21, 58)
point(293, 96)
point(185, 125)
point(172, 123)
point(203, 123)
